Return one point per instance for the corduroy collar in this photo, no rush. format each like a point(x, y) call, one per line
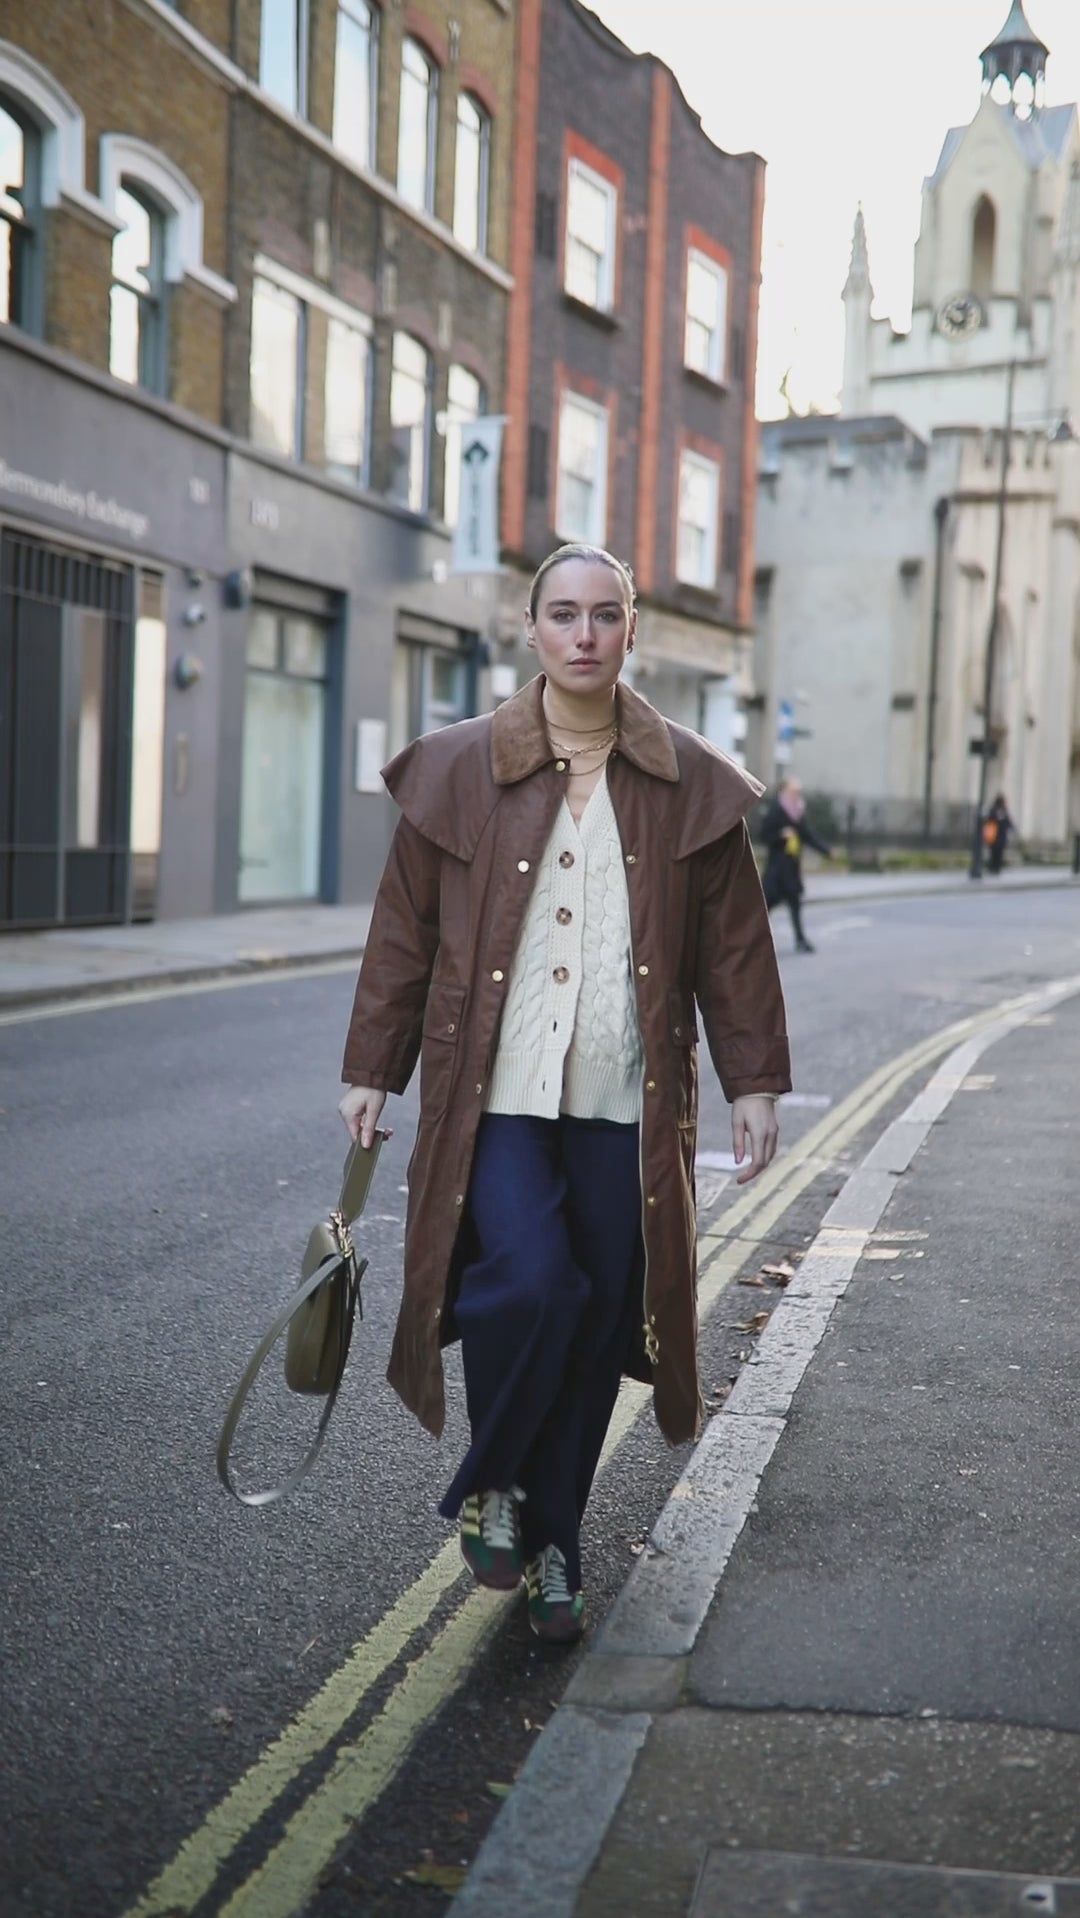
point(520, 745)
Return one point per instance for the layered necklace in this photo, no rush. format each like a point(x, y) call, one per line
point(599, 744)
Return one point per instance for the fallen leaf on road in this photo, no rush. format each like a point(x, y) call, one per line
point(756, 1280)
point(782, 1269)
point(752, 1325)
point(439, 1877)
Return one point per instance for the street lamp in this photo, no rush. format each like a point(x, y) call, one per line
point(987, 744)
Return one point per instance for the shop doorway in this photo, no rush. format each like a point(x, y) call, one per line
point(67, 669)
point(283, 789)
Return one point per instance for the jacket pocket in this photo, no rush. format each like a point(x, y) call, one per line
point(438, 1050)
point(683, 1037)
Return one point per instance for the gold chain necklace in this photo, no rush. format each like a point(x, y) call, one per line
point(583, 752)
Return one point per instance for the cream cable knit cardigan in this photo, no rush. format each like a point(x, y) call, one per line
point(569, 1039)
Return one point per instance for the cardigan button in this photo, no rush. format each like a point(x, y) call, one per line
point(560, 765)
point(566, 860)
point(564, 916)
point(561, 974)
point(523, 865)
point(497, 976)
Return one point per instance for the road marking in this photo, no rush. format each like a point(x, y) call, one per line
point(118, 999)
point(833, 928)
point(432, 1678)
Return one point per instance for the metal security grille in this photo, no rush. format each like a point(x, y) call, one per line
point(66, 666)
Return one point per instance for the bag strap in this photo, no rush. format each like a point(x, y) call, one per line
point(351, 1293)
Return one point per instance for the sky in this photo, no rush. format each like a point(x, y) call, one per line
point(847, 101)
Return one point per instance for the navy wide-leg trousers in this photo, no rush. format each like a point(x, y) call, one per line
point(547, 1308)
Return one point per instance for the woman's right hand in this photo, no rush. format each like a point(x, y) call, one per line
point(360, 1109)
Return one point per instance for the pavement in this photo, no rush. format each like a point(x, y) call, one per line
point(843, 1678)
point(77, 962)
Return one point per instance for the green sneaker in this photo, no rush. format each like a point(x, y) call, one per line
point(491, 1538)
point(556, 1614)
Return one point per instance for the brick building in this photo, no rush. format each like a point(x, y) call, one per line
point(632, 351)
point(253, 277)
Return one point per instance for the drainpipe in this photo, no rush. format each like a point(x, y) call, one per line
point(941, 514)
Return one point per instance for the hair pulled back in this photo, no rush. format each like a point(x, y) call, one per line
point(579, 549)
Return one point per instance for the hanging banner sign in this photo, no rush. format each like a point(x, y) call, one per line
point(476, 536)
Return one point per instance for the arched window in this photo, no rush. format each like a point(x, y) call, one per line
point(983, 237)
point(465, 402)
point(416, 127)
point(20, 219)
point(410, 423)
point(137, 303)
point(472, 162)
point(356, 88)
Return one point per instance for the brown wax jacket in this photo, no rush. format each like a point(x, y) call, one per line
point(479, 802)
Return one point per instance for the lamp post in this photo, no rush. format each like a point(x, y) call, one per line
point(941, 514)
point(992, 634)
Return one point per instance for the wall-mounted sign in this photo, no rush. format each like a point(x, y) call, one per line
point(89, 507)
point(370, 755)
point(476, 536)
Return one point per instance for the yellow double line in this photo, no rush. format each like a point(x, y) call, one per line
point(362, 1770)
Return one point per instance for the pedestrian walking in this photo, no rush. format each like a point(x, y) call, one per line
point(786, 830)
point(570, 875)
point(996, 829)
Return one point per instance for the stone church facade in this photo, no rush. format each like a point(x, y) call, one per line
point(923, 546)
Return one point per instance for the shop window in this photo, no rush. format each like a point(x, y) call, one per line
point(581, 507)
point(138, 351)
point(592, 206)
point(283, 52)
point(410, 423)
point(465, 401)
point(706, 316)
point(699, 505)
point(284, 758)
point(472, 164)
point(416, 127)
point(347, 399)
point(356, 80)
point(277, 333)
point(20, 214)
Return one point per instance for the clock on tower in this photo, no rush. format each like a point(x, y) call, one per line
point(959, 316)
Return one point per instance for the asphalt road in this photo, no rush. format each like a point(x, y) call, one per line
point(159, 1166)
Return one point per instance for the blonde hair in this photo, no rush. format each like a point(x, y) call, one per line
point(579, 549)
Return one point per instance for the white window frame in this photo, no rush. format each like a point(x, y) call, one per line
point(125, 159)
point(309, 293)
point(596, 531)
point(605, 300)
point(61, 126)
point(451, 424)
point(707, 578)
point(365, 15)
point(427, 205)
point(361, 326)
point(423, 505)
point(716, 367)
point(477, 211)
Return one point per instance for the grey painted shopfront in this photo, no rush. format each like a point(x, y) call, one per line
point(205, 656)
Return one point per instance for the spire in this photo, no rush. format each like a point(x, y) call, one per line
point(858, 279)
point(1016, 54)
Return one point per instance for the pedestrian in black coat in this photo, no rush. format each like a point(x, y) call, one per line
point(786, 831)
point(996, 829)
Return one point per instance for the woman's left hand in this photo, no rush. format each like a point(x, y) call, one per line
point(754, 1124)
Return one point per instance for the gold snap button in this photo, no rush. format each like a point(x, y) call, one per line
point(523, 865)
point(479, 1088)
point(564, 915)
point(460, 1200)
point(561, 974)
point(631, 858)
point(650, 1200)
point(560, 765)
point(566, 860)
point(678, 1032)
point(497, 976)
point(643, 971)
point(650, 1085)
point(451, 1028)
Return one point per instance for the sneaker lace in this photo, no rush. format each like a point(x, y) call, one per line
point(498, 1521)
point(552, 1580)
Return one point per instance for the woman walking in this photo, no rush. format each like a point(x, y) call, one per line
point(786, 831)
point(569, 875)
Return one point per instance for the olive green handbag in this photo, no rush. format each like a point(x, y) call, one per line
point(317, 1323)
